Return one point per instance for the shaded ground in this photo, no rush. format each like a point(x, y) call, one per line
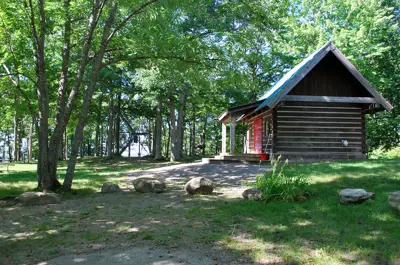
point(218, 228)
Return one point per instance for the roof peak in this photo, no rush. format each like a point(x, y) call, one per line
point(297, 73)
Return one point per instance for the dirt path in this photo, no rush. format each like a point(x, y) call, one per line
point(223, 175)
point(129, 227)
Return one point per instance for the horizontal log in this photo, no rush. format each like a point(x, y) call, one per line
point(367, 100)
point(326, 138)
point(345, 135)
point(282, 129)
point(319, 119)
point(311, 143)
point(354, 112)
point(319, 107)
point(311, 124)
point(314, 153)
point(318, 115)
point(322, 104)
point(320, 110)
point(319, 149)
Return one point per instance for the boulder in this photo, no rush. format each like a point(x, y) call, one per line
point(199, 185)
point(253, 194)
point(110, 187)
point(394, 200)
point(354, 196)
point(38, 198)
point(146, 185)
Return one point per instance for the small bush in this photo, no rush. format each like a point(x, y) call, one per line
point(381, 153)
point(278, 186)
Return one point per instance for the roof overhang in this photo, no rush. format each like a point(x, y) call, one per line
point(238, 111)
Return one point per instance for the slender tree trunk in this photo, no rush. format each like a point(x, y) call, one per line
point(158, 126)
point(117, 124)
point(60, 150)
point(97, 65)
point(151, 141)
point(168, 141)
point(16, 137)
point(173, 156)
point(30, 137)
point(8, 144)
point(98, 123)
point(204, 136)
point(110, 136)
point(193, 143)
point(89, 146)
point(101, 140)
point(66, 145)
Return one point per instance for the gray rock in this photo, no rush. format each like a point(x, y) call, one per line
point(146, 185)
point(253, 194)
point(199, 185)
point(354, 196)
point(110, 187)
point(394, 200)
point(38, 198)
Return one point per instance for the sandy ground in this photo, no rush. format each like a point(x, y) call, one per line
point(107, 228)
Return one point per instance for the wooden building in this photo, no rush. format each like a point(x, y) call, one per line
point(315, 112)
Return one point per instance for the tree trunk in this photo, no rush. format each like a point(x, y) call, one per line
point(65, 107)
point(30, 136)
point(193, 139)
point(97, 65)
point(45, 179)
point(66, 145)
point(117, 124)
point(177, 129)
point(167, 142)
point(101, 141)
point(16, 137)
point(151, 141)
point(172, 128)
point(157, 135)
point(110, 136)
point(204, 136)
point(98, 123)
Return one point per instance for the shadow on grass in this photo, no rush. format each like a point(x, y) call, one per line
point(316, 231)
point(90, 174)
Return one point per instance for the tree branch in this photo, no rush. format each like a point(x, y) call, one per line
point(135, 12)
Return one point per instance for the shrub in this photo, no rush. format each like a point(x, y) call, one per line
point(276, 185)
point(381, 153)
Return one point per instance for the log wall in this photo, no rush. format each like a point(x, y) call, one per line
point(310, 130)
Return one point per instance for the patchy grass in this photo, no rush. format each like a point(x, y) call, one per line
point(316, 231)
point(90, 174)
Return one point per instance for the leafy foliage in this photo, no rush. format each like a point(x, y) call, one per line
point(276, 185)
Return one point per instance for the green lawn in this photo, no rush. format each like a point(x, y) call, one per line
point(90, 174)
point(316, 231)
point(320, 230)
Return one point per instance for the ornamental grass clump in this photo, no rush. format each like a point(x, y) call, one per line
point(276, 185)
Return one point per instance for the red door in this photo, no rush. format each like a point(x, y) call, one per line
point(258, 135)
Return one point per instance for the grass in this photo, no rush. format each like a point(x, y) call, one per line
point(316, 231)
point(320, 230)
point(90, 174)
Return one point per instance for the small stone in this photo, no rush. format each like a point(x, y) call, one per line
point(199, 185)
point(253, 194)
point(394, 201)
point(146, 185)
point(354, 196)
point(110, 187)
point(38, 198)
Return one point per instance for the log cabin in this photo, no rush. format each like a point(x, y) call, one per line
point(315, 112)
